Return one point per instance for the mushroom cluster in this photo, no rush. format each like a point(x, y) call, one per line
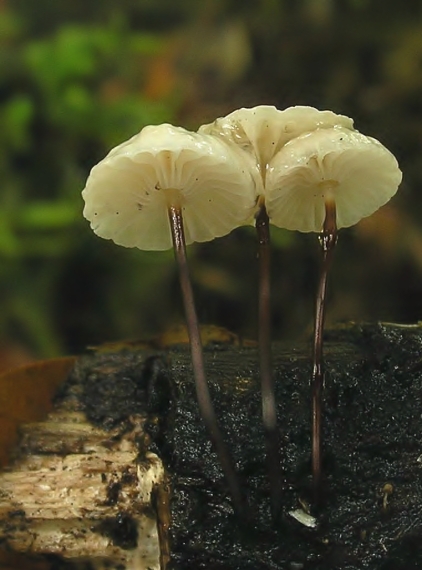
point(300, 169)
point(314, 173)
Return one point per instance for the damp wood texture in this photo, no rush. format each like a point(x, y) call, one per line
point(122, 475)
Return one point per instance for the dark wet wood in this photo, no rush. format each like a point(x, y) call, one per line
point(371, 458)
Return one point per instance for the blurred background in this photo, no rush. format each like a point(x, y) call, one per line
point(77, 77)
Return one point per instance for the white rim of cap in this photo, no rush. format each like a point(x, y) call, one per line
point(128, 193)
point(356, 171)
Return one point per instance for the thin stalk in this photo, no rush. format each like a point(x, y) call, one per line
point(269, 410)
point(206, 407)
point(328, 239)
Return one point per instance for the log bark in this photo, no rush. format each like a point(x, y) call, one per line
point(122, 475)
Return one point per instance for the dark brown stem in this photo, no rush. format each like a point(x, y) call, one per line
point(202, 391)
point(160, 498)
point(269, 410)
point(328, 239)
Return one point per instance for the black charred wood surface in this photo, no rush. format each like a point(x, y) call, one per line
point(371, 516)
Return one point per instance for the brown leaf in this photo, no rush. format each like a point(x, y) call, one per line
point(26, 395)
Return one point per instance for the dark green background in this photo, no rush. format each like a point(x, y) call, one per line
point(78, 77)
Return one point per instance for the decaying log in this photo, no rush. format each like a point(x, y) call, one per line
point(122, 475)
point(82, 493)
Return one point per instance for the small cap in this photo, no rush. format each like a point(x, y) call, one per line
point(354, 170)
point(127, 195)
point(263, 130)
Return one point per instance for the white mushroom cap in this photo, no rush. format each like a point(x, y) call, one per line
point(127, 195)
point(263, 130)
point(354, 170)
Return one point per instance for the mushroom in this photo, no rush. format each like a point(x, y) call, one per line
point(167, 187)
point(263, 131)
point(322, 181)
point(260, 133)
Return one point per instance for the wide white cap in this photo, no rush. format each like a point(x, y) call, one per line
point(354, 170)
point(262, 131)
point(127, 195)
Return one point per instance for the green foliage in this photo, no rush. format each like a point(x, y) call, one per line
point(78, 77)
point(96, 87)
point(69, 97)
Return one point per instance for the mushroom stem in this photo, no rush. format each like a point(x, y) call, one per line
point(202, 391)
point(328, 239)
point(269, 411)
